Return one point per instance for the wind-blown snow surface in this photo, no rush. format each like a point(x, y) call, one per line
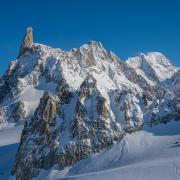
point(9, 142)
point(153, 153)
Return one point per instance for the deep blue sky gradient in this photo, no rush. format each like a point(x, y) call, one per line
point(125, 27)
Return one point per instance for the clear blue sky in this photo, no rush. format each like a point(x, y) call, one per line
point(125, 27)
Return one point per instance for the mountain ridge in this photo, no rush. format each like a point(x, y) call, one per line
point(79, 102)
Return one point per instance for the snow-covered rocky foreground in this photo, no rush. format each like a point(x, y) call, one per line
point(153, 153)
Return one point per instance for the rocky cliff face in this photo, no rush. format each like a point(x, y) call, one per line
point(44, 142)
point(80, 102)
point(27, 41)
point(175, 85)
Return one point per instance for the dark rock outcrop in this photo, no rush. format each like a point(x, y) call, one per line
point(39, 140)
point(18, 111)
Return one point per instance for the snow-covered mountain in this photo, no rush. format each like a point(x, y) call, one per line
point(154, 67)
point(81, 102)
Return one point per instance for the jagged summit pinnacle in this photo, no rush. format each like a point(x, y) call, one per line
point(27, 41)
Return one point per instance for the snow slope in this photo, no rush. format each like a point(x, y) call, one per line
point(9, 142)
point(153, 153)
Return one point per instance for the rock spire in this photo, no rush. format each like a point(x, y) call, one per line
point(27, 41)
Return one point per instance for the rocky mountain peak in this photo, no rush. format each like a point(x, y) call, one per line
point(27, 41)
